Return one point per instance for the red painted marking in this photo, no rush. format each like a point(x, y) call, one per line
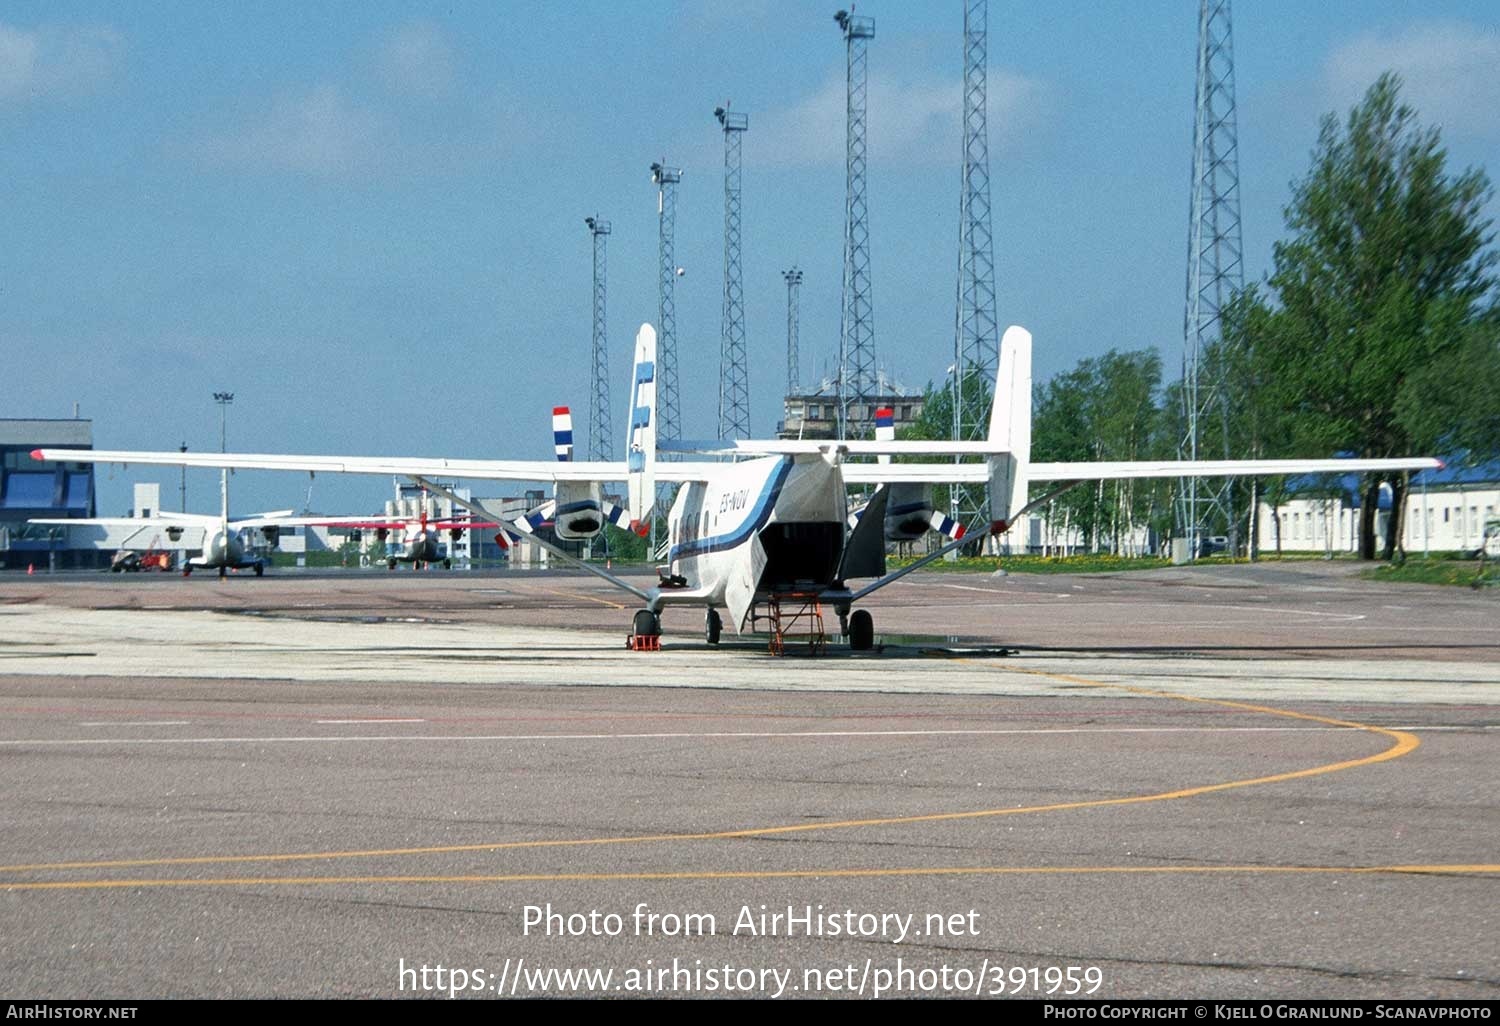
point(958, 533)
point(36, 454)
point(559, 410)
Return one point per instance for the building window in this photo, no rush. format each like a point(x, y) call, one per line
point(78, 492)
point(26, 489)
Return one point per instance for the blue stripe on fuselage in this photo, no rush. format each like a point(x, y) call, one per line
point(765, 502)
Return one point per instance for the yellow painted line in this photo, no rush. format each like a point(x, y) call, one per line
point(1404, 743)
point(577, 595)
point(1479, 869)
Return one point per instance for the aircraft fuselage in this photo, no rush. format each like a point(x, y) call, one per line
point(223, 551)
point(762, 528)
point(419, 545)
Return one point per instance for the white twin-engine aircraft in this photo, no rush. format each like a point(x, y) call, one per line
point(222, 549)
point(769, 537)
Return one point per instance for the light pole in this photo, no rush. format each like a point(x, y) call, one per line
point(182, 499)
point(223, 399)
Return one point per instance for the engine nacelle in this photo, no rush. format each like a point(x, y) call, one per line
point(908, 512)
point(580, 510)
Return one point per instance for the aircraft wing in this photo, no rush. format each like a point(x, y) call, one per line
point(368, 524)
point(287, 520)
point(177, 520)
point(1220, 468)
point(401, 466)
point(190, 529)
point(979, 473)
point(853, 447)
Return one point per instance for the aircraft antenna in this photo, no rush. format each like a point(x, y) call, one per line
point(857, 385)
point(976, 331)
point(1215, 269)
point(602, 439)
point(734, 377)
point(793, 316)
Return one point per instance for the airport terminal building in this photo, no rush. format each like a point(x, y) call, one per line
point(29, 489)
point(1447, 510)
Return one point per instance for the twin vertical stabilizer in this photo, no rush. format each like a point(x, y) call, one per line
point(1010, 425)
point(640, 440)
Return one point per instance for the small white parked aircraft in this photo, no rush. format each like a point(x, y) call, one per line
point(222, 548)
point(769, 537)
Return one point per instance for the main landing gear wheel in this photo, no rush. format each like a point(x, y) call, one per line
point(223, 572)
point(712, 627)
point(447, 564)
point(187, 571)
point(260, 570)
point(861, 631)
point(390, 564)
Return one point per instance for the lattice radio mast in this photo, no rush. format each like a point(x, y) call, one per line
point(601, 437)
point(976, 332)
point(734, 377)
point(793, 316)
point(857, 384)
point(668, 411)
point(1215, 270)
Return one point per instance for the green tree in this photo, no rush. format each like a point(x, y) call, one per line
point(935, 422)
point(1107, 408)
point(1375, 295)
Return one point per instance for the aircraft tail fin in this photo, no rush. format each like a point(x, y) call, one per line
point(640, 441)
point(1010, 425)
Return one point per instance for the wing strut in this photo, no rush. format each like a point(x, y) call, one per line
point(996, 527)
point(566, 557)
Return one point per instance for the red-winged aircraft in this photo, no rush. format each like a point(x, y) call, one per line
point(420, 540)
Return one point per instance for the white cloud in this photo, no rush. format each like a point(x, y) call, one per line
point(906, 121)
point(417, 59)
point(319, 133)
point(57, 62)
point(1448, 70)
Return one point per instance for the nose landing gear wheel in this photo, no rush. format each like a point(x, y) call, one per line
point(645, 635)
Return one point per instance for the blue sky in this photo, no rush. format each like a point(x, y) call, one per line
point(366, 219)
